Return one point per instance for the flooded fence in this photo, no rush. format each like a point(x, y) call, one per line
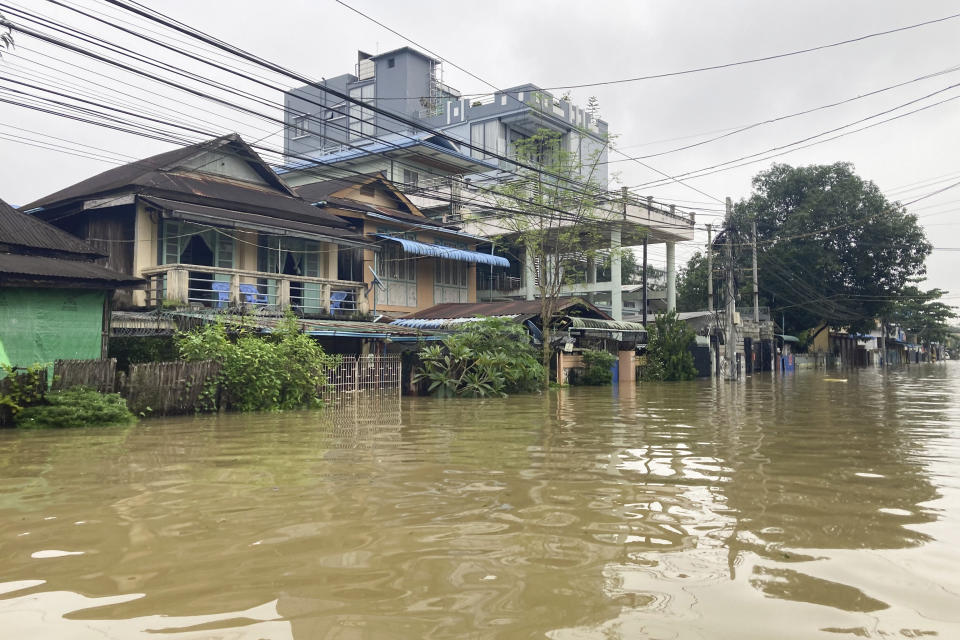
point(167, 388)
point(92, 374)
point(370, 373)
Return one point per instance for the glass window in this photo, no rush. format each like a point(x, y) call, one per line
point(301, 127)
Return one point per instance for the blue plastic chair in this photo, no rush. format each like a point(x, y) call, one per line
point(223, 293)
point(251, 295)
point(337, 298)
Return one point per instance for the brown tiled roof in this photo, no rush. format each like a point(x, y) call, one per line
point(18, 230)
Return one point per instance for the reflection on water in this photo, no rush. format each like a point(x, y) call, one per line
point(786, 509)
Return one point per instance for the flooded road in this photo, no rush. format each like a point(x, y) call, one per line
point(801, 508)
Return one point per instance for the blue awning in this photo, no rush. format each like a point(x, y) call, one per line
point(450, 253)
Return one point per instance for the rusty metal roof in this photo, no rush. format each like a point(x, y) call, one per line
point(20, 231)
point(165, 175)
point(521, 309)
point(23, 268)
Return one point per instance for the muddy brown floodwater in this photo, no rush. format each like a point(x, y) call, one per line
point(797, 508)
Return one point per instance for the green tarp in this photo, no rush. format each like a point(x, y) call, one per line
point(43, 325)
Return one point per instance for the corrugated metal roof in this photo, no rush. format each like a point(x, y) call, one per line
point(214, 215)
point(441, 323)
point(611, 325)
point(45, 268)
point(133, 172)
point(448, 253)
point(518, 308)
point(21, 230)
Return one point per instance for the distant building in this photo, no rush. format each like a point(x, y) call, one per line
point(54, 294)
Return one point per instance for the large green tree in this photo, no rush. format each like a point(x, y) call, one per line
point(831, 248)
point(692, 284)
point(921, 314)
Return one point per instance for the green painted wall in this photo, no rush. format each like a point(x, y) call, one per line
point(43, 325)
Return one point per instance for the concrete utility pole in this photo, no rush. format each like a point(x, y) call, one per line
point(756, 286)
point(644, 280)
point(709, 267)
point(731, 304)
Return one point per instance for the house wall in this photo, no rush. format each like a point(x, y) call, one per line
point(145, 247)
point(40, 325)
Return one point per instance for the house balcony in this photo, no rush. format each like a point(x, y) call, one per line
point(221, 288)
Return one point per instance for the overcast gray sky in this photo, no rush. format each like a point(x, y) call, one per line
point(563, 43)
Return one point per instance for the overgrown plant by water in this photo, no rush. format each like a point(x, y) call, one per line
point(668, 350)
point(597, 367)
point(78, 407)
point(490, 357)
point(285, 369)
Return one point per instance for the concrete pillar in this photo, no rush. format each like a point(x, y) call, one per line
point(616, 291)
point(529, 276)
point(671, 277)
point(591, 270)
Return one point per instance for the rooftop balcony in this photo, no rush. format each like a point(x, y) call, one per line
point(220, 288)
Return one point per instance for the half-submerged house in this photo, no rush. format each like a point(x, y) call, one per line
point(54, 296)
point(420, 262)
point(211, 225)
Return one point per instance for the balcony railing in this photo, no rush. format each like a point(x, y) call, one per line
point(220, 288)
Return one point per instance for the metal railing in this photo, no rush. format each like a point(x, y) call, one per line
point(221, 288)
point(364, 373)
point(499, 282)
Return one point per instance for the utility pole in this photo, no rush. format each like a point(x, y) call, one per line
point(713, 332)
point(710, 268)
point(644, 280)
point(756, 286)
point(731, 304)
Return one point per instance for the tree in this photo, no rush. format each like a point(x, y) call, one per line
point(922, 314)
point(6, 34)
point(553, 217)
point(692, 284)
point(668, 350)
point(832, 250)
point(593, 107)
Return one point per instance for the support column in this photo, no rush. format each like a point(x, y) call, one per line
point(591, 275)
point(671, 277)
point(529, 276)
point(616, 290)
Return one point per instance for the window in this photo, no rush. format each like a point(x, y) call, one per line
point(362, 119)
point(398, 271)
point(301, 128)
point(391, 63)
point(411, 178)
point(490, 136)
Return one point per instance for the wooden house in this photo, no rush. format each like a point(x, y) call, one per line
point(211, 225)
point(420, 262)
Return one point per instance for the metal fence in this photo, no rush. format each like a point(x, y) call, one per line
point(364, 373)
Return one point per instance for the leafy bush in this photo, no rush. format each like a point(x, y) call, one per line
point(77, 407)
point(283, 370)
point(22, 388)
point(668, 350)
point(596, 367)
point(490, 357)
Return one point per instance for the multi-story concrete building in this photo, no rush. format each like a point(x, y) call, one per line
point(444, 150)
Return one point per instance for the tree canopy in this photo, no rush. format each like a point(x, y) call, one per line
point(921, 313)
point(831, 248)
point(692, 284)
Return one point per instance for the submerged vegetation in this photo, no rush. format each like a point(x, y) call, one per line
point(490, 357)
point(77, 407)
point(668, 350)
point(285, 369)
point(597, 366)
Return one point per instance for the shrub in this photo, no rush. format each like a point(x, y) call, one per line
point(596, 367)
point(283, 370)
point(78, 407)
point(490, 357)
point(668, 350)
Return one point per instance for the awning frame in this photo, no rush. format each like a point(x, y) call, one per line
point(448, 253)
